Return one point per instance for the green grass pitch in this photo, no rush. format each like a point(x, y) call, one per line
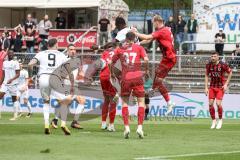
point(181, 140)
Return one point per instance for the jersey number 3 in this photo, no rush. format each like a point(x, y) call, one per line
point(52, 60)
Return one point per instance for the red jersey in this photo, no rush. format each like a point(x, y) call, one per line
point(216, 73)
point(130, 57)
point(107, 57)
point(165, 39)
point(3, 54)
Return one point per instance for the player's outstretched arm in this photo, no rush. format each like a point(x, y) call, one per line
point(145, 42)
point(144, 36)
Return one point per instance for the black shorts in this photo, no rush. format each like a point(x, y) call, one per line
point(147, 100)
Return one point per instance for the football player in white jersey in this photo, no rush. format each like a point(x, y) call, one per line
point(49, 61)
point(123, 29)
point(9, 81)
point(71, 52)
point(22, 93)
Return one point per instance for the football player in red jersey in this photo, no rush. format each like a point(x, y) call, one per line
point(109, 91)
point(215, 70)
point(130, 55)
point(165, 39)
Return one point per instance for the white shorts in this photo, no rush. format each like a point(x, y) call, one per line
point(45, 89)
point(9, 89)
point(22, 94)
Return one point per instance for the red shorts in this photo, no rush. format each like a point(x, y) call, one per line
point(216, 93)
point(107, 87)
point(135, 86)
point(164, 67)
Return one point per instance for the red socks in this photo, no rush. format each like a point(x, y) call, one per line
point(105, 111)
point(212, 111)
point(125, 115)
point(112, 113)
point(141, 114)
point(220, 112)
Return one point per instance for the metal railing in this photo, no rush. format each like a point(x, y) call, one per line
point(189, 79)
point(180, 51)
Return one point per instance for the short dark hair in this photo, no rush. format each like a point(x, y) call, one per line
point(120, 21)
point(130, 36)
point(71, 45)
point(52, 42)
point(237, 45)
point(215, 53)
point(110, 45)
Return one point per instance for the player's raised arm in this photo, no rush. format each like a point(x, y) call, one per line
point(148, 37)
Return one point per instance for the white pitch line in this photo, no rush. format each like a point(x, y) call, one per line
point(184, 155)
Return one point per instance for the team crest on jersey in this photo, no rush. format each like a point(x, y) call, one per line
point(219, 69)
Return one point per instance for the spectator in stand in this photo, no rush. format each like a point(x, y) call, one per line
point(5, 42)
point(30, 40)
point(192, 29)
point(43, 28)
point(170, 23)
point(34, 19)
point(180, 29)
point(3, 55)
point(104, 25)
point(29, 23)
point(18, 38)
point(219, 41)
point(9, 36)
point(60, 21)
point(235, 62)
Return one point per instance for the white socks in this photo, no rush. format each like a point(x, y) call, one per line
point(16, 108)
point(46, 109)
point(29, 107)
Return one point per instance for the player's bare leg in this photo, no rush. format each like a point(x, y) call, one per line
point(212, 113)
point(220, 112)
point(125, 115)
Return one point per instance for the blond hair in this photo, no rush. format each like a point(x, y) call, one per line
point(157, 18)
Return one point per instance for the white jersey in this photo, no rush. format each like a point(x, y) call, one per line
point(121, 35)
point(10, 68)
point(22, 78)
point(50, 60)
